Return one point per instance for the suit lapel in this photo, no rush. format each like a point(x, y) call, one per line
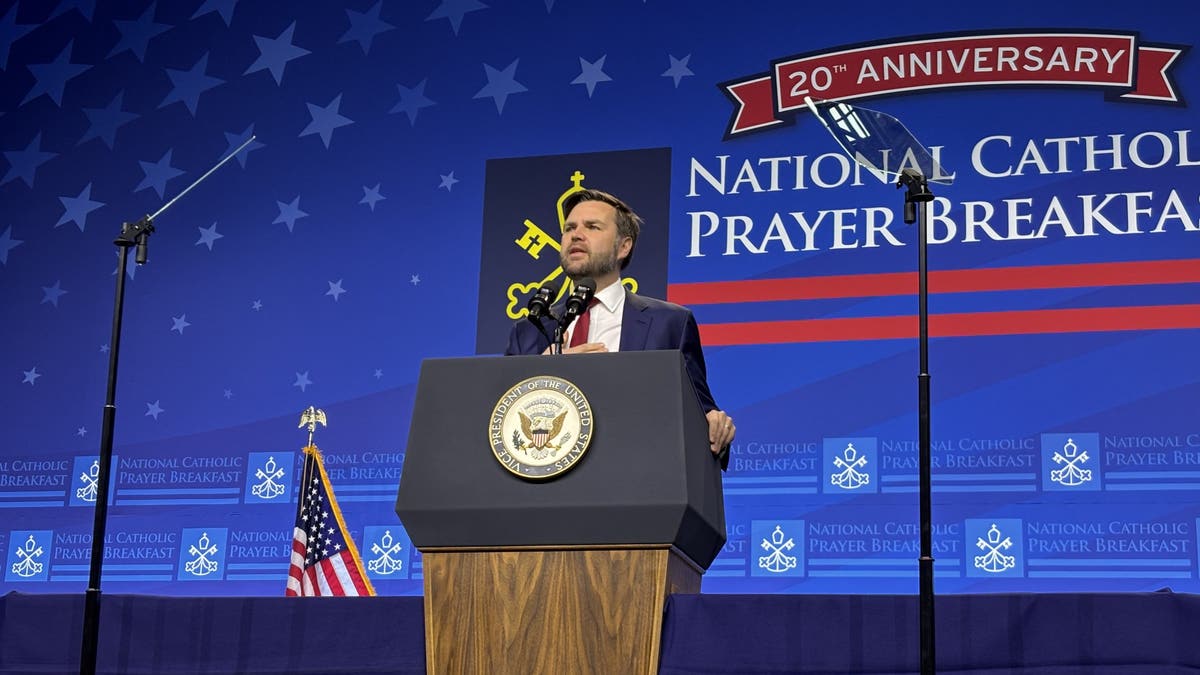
point(635, 323)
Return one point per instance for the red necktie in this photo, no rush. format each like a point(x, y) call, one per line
point(579, 334)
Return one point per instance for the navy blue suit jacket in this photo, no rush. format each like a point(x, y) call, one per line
point(646, 324)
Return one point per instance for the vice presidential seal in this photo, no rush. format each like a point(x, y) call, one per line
point(541, 427)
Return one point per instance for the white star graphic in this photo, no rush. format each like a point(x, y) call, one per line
point(154, 410)
point(591, 74)
point(371, 196)
point(412, 100)
point(289, 213)
point(256, 305)
point(274, 54)
point(501, 84)
point(416, 279)
point(81, 432)
point(31, 376)
point(302, 381)
point(454, 11)
point(335, 289)
point(7, 243)
point(51, 294)
point(76, 209)
point(181, 322)
point(325, 120)
point(208, 235)
point(679, 69)
point(448, 181)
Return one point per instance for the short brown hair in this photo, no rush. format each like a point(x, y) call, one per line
point(629, 224)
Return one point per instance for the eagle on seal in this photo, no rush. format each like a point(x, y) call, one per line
point(539, 434)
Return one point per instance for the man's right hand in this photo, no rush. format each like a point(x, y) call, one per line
point(585, 348)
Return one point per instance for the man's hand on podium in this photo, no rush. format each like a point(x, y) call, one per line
point(720, 430)
point(585, 348)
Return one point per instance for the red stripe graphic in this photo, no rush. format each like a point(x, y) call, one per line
point(954, 325)
point(949, 281)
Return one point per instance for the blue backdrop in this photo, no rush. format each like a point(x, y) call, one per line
point(355, 237)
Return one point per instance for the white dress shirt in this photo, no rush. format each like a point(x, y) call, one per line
point(606, 317)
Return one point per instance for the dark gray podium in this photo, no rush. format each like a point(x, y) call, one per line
point(568, 574)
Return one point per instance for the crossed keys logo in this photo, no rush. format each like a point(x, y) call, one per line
point(28, 566)
point(994, 559)
point(533, 242)
point(850, 478)
point(1071, 473)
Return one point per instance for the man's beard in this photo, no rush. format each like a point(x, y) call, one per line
point(594, 266)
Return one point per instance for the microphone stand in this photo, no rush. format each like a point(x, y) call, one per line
point(915, 200)
point(132, 234)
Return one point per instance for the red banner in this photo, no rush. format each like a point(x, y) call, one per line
point(1111, 61)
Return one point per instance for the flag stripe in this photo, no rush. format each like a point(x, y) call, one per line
point(954, 325)
point(948, 281)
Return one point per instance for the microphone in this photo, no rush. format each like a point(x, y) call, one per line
point(539, 304)
point(578, 301)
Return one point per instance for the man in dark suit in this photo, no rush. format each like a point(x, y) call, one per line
point(598, 238)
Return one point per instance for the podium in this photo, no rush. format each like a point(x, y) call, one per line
point(567, 574)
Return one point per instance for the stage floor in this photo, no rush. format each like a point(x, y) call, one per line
point(1032, 634)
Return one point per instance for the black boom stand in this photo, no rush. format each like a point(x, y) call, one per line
point(881, 143)
point(132, 234)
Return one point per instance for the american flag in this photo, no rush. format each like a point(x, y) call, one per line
point(325, 560)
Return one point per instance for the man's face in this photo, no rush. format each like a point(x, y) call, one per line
point(591, 246)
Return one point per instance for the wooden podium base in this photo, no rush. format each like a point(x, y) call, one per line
point(550, 611)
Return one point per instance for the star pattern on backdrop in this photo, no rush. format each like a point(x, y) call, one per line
point(136, 34)
point(11, 32)
point(31, 376)
point(412, 100)
point(157, 174)
point(591, 74)
point(679, 69)
point(371, 196)
point(51, 294)
point(325, 120)
point(180, 322)
point(23, 164)
point(501, 84)
point(275, 53)
point(104, 122)
point(154, 410)
point(130, 265)
point(81, 432)
point(208, 235)
point(454, 10)
point(224, 8)
point(7, 243)
point(448, 181)
point(188, 85)
point(235, 141)
point(87, 8)
point(51, 78)
point(76, 209)
point(335, 289)
point(364, 26)
point(256, 305)
point(289, 213)
point(302, 381)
